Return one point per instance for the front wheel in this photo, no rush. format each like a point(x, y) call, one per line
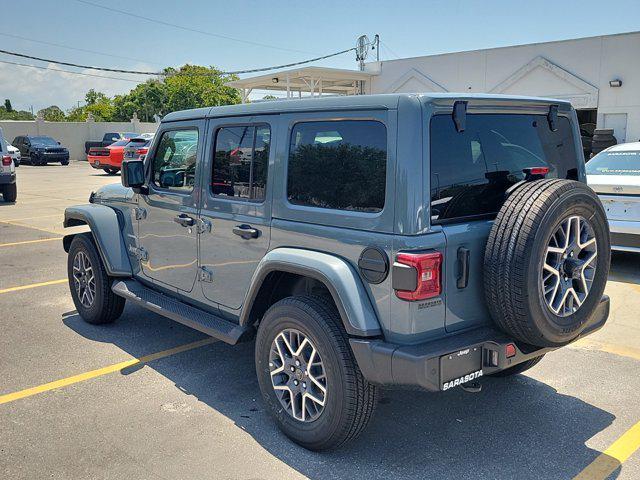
point(64, 162)
point(308, 376)
point(111, 171)
point(89, 283)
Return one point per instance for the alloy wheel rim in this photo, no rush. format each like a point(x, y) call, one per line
point(298, 375)
point(569, 267)
point(84, 279)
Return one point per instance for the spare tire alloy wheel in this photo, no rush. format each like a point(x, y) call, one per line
point(547, 261)
point(84, 279)
point(298, 375)
point(569, 266)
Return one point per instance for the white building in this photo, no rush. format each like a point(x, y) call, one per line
point(599, 75)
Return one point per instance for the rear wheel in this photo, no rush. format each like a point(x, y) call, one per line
point(516, 369)
point(89, 283)
point(308, 376)
point(10, 192)
point(64, 162)
point(111, 171)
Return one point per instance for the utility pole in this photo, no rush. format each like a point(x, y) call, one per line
point(376, 42)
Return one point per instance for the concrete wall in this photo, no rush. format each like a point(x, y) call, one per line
point(73, 134)
point(577, 70)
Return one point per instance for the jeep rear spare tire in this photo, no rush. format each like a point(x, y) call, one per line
point(546, 261)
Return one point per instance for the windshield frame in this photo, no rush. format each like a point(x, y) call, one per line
point(39, 140)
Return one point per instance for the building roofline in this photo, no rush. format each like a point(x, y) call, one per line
point(518, 45)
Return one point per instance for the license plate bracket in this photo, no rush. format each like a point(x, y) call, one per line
point(462, 366)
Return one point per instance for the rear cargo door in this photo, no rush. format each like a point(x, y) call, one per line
point(470, 171)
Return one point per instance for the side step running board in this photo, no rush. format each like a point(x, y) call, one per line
point(178, 311)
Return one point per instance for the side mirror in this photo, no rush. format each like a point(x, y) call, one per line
point(59, 143)
point(132, 175)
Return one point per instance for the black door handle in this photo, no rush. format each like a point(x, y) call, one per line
point(184, 220)
point(246, 231)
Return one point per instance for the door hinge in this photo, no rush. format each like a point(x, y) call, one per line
point(206, 275)
point(140, 213)
point(140, 253)
point(204, 226)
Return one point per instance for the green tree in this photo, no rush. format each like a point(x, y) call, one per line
point(52, 114)
point(14, 114)
point(147, 99)
point(7, 105)
point(93, 97)
point(194, 86)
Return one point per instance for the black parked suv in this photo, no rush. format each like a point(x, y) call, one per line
point(41, 149)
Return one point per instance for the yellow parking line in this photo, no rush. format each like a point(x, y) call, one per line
point(11, 397)
point(620, 350)
point(19, 224)
point(61, 214)
point(613, 457)
point(33, 285)
point(11, 244)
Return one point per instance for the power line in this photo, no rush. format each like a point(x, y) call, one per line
point(188, 29)
point(138, 72)
point(75, 48)
point(389, 50)
point(71, 72)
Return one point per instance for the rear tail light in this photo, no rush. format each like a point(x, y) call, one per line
point(142, 151)
point(416, 276)
point(6, 160)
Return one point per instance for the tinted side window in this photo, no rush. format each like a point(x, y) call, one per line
point(471, 170)
point(174, 161)
point(240, 162)
point(338, 164)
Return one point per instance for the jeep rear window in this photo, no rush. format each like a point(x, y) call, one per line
point(338, 164)
point(471, 170)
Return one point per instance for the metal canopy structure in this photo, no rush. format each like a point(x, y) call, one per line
point(313, 80)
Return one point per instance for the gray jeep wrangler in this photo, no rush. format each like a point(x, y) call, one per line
point(390, 240)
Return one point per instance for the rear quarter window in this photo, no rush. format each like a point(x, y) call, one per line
point(471, 170)
point(338, 165)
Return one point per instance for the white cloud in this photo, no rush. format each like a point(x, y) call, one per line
point(27, 86)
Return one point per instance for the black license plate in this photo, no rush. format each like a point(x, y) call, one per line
point(457, 368)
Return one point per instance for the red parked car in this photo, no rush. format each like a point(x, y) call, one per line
point(108, 158)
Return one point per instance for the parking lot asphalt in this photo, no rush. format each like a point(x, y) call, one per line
point(195, 412)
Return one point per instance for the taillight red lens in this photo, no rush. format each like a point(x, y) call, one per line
point(142, 151)
point(428, 268)
point(6, 160)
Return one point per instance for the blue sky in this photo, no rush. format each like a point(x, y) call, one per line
point(290, 31)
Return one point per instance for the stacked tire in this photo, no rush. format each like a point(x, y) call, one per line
point(602, 139)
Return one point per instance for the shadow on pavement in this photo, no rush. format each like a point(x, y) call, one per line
point(625, 267)
point(515, 428)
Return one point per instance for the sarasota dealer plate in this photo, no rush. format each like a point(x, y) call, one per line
point(457, 368)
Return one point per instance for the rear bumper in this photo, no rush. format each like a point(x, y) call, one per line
point(7, 178)
point(100, 163)
point(384, 363)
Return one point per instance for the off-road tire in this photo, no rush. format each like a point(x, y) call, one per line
point(107, 306)
point(516, 369)
point(10, 192)
point(515, 255)
point(350, 400)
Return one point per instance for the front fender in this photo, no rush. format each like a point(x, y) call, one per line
point(105, 228)
point(343, 282)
